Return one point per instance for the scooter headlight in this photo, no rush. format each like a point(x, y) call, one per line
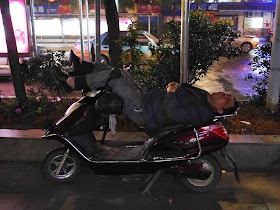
point(72, 108)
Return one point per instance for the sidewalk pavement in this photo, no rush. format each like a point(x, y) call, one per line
point(251, 152)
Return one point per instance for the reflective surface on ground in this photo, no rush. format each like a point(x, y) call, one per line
point(22, 186)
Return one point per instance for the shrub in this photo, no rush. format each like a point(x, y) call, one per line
point(208, 41)
point(131, 57)
point(259, 72)
point(38, 70)
point(31, 113)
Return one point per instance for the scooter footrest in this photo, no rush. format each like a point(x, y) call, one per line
point(121, 154)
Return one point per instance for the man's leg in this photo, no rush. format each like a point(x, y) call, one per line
point(88, 67)
point(123, 86)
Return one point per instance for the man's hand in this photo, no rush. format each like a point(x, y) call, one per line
point(172, 87)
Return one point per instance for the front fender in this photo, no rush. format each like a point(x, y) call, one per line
point(55, 137)
point(67, 143)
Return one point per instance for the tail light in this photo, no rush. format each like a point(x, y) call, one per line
point(75, 46)
point(217, 129)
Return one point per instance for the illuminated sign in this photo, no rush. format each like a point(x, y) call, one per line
point(148, 8)
point(18, 15)
point(40, 9)
point(256, 22)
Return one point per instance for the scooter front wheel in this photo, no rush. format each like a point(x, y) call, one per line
point(197, 185)
point(61, 165)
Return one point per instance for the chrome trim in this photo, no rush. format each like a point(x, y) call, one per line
point(117, 161)
point(226, 115)
point(171, 159)
point(199, 145)
point(92, 93)
point(141, 161)
point(132, 146)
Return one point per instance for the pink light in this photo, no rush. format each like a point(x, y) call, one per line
point(19, 21)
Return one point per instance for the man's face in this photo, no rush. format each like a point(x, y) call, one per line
point(222, 101)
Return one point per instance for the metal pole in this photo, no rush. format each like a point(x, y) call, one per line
point(62, 30)
point(184, 51)
point(149, 23)
point(33, 27)
point(28, 28)
point(97, 32)
point(158, 25)
point(273, 90)
point(88, 35)
point(117, 4)
point(81, 28)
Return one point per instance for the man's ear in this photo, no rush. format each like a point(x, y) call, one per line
point(220, 111)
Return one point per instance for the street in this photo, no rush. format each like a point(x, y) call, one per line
point(227, 75)
point(22, 186)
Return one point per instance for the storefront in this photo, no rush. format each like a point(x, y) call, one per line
point(19, 20)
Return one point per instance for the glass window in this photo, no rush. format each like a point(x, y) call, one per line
point(106, 40)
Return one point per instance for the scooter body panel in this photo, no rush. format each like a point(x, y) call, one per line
point(185, 141)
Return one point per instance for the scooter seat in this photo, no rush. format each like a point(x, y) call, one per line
point(167, 129)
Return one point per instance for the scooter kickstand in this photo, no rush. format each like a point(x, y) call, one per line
point(151, 182)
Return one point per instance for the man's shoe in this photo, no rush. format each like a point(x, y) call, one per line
point(62, 78)
point(73, 58)
point(75, 61)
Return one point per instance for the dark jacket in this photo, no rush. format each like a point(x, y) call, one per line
point(188, 105)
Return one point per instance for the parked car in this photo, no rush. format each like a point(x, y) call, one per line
point(41, 50)
point(247, 42)
point(145, 39)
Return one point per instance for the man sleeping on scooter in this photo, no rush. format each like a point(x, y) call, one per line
point(180, 104)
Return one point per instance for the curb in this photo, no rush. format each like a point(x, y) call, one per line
point(250, 152)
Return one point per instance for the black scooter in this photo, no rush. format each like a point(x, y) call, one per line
point(179, 150)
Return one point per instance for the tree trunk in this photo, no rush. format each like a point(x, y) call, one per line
point(12, 51)
point(112, 18)
point(273, 87)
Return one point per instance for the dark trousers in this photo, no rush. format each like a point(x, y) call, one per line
point(124, 86)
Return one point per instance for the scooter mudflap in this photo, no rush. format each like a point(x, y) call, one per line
point(230, 160)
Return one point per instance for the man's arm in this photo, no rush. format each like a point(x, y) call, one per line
point(171, 108)
point(172, 111)
point(192, 114)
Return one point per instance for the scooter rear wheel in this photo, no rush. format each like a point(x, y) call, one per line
point(197, 185)
point(69, 170)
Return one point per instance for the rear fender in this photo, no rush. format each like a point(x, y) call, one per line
point(192, 169)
